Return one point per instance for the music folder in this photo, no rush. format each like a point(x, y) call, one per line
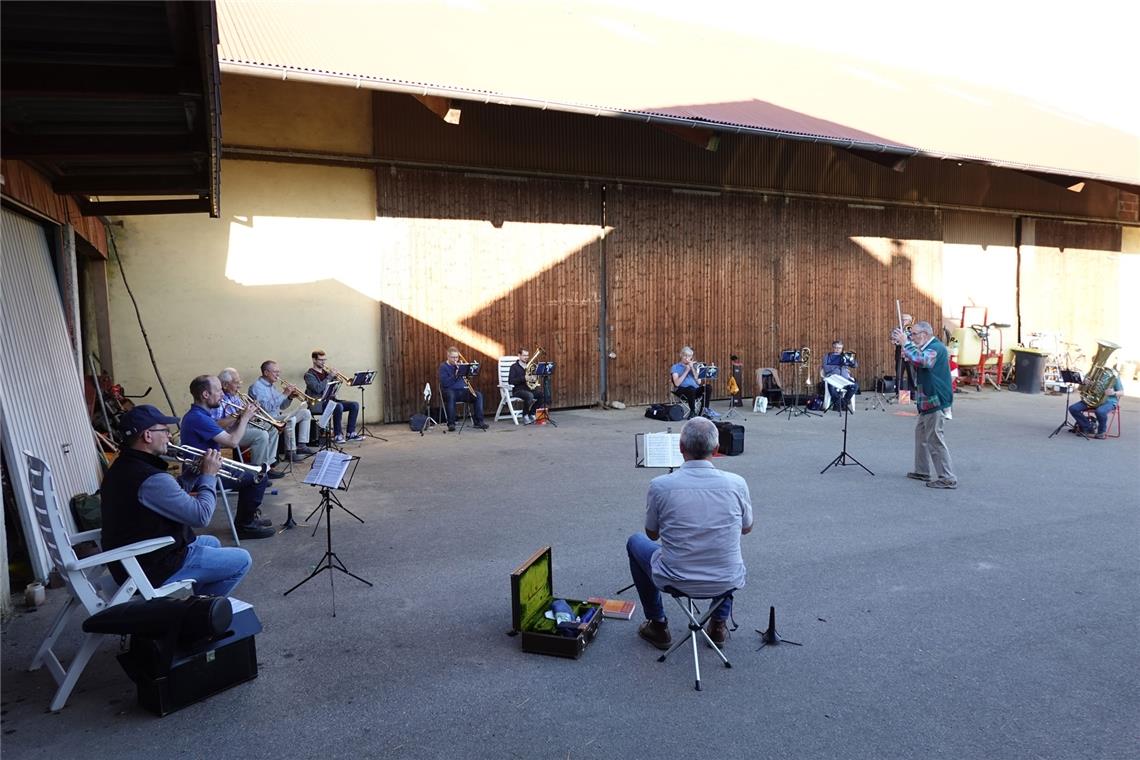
point(657, 450)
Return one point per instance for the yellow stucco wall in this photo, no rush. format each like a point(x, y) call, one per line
point(282, 272)
point(269, 113)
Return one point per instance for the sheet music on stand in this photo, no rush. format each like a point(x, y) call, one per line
point(657, 450)
point(331, 470)
point(363, 378)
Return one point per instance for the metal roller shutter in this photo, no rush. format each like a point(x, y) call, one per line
point(41, 398)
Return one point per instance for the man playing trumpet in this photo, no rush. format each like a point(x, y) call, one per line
point(297, 422)
point(141, 500)
point(687, 385)
point(201, 431)
point(317, 378)
point(261, 441)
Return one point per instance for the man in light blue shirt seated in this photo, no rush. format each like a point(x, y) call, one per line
point(687, 385)
point(698, 514)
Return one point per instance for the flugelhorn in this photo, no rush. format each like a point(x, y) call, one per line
point(230, 470)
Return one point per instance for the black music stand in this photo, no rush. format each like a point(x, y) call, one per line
point(331, 471)
point(706, 374)
point(841, 460)
point(467, 369)
point(1071, 378)
point(790, 356)
point(360, 380)
point(324, 422)
point(545, 370)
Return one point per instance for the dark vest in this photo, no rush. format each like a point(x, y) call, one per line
point(126, 520)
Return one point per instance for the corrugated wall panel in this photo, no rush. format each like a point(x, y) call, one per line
point(488, 265)
point(41, 396)
point(521, 139)
point(734, 274)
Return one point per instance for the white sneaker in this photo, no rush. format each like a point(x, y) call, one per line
point(528, 420)
point(338, 439)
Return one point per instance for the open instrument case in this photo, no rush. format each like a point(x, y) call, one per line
point(532, 591)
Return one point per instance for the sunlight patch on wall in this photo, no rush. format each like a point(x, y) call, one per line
point(443, 272)
point(922, 257)
point(276, 250)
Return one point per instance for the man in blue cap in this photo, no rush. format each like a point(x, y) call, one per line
point(141, 500)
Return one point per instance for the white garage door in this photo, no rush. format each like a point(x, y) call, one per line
point(41, 398)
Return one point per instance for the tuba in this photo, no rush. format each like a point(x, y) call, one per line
point(1099, 377)
point(533, 380)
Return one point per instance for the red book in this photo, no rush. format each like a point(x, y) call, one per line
point(614, 608)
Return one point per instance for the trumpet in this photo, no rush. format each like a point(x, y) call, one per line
point(259, 414)
point(230, 470)
point(345, 380)
point(292, 390)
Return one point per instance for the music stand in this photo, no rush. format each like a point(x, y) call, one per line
point(467, 369)
point(841, 460)
point(1071, 378)
point(330, 471)
point(661, 450)
point(324, 422)
point(705, 374)
point(545, 370)
point(789, 356)
point(360, 380)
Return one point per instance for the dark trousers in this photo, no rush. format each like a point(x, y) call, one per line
point(690, 395)
point(531, 400)
point(250, 495)
point(904, 371)
point(841, 399)
point(451, 396)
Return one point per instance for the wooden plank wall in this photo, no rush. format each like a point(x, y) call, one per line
point(745, 275)
point(488, 265)
point(1068, 282)
point(28, 186)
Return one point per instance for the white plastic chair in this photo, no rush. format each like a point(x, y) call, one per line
point(505, 397)
point(88, 581)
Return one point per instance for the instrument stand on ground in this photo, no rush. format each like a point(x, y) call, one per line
point(360, 380)
point(545, 370)
point(841, 460)
point(1068, 376)
point(770, 637)
point(784, 408)
point(331, 471)
point(878, 401)
point(805, 411)
point(430, 421)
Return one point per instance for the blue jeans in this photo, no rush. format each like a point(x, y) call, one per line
point(353, 410)
point(641, 550)
point(215, 569)
point(451, 396)
point(1078, 409)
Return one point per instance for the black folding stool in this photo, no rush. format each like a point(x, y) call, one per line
point(685, 602)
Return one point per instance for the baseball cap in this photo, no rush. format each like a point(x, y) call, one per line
point(142, 417)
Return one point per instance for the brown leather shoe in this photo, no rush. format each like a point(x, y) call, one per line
point(717, 631)
point(656, 633)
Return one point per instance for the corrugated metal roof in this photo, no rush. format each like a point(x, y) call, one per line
point(571, 58)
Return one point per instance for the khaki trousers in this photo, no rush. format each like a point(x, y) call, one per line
point(931, 457)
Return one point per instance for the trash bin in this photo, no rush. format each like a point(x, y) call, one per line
point(1028, 370)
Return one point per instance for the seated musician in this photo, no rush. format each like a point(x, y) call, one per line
point(200, 430)
point(141, 500)
point(686, 385)
point(264, 392)
point(837, 376)
point(262, 442)
point(453, 387)
point(699, 514)
point(1110, 402)
point(531, 399)
point(316, 380)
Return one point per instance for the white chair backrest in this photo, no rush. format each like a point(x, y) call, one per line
point(55, 535)
point(505, 363)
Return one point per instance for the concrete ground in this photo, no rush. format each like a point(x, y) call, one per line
point(996, 621)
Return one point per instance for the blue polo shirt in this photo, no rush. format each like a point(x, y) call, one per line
point(199, 429)
point(689, 381)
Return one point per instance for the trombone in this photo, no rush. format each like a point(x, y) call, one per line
point(258, 413)
point(230, 470)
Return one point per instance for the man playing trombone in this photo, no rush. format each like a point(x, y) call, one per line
point(201, 431)
point(837, 377)
point(259, 437)
point(141, 500)
point(297, 422)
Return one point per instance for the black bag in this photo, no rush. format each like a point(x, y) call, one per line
point(87, 510)
point(418, 422)
point(731, 438)
point(666, 412)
